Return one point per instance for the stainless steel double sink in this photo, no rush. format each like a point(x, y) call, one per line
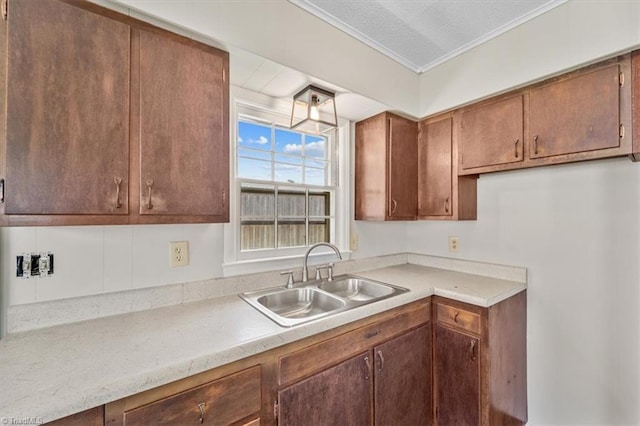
point(318, 299)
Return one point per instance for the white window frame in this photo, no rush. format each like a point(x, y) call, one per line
point(259, 107)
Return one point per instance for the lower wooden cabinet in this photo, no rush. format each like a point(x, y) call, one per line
point(432, 362)
point(228, 400)
point(91, 417)
point(480, 375)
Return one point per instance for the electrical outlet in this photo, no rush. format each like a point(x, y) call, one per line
point(353, 243)
point(453, 244)
point(179, 253)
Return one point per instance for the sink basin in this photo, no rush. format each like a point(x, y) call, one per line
point(300, 303)
point(357, 289)
point(318, 299)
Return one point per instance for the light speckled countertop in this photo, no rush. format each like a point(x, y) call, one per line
point(57, 371)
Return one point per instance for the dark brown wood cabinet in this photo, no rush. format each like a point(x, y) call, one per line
point(232, 399)
point(67, 146)
point(579, 114)
point(635, 94)
point(91, 417)
point(111, 120)
point(442, 194)
point(385, 168)
point(480, 363)
point(339, 395)
point(492, 133)
point(183, 138)
point(402, 387)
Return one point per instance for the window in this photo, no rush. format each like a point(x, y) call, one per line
point(286, 181)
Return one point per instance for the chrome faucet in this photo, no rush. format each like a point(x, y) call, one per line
point(305, 271)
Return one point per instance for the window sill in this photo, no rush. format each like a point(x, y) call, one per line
point(250, 266)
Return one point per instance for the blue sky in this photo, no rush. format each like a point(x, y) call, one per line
point(288, 149)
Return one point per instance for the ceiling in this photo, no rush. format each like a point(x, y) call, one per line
point(417, 33)
point(421, 34)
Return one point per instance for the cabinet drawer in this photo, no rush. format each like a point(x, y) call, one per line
point(459, 318)
point(221, 402)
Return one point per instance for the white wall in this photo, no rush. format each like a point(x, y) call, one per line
point(573, 34)
point(575, 227)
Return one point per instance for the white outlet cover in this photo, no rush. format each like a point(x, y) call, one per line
point(179, 253)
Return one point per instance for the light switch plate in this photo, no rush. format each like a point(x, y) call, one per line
point(179, 253)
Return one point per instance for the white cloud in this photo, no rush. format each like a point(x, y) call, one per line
point(240, 139)
point(261, 140)
point(317, 147)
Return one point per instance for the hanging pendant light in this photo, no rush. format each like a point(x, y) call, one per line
point(314, 110)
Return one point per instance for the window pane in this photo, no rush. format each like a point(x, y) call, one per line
point(264, 155)
point(289, 159)
point(319, 230)
point(319, 204)
point(288, 142)
point(314, 176)
point(315, 146)
point(257, 235)
point(291, 232)
point(318, 164)
point(257, 203)
point(287, 173)
point(291, 204)
point(252, 135)
point(254, 169)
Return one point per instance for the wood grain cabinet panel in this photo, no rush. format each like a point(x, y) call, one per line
point(386, 168)
point(480, 375)
point(184, 147)
point(402, 391)
point(492, 134)
point(635, 96)
point(91, 417)
point(442, 194)
point(221, 402)
point(67, 111)
point(576, 115)
point(340, 395)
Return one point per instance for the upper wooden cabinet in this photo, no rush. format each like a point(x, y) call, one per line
point(441, 193)
point(183, 122)
point(492, 134)
point(579, 114)
point(386, 168)
point(111, 120)
point(67, 111)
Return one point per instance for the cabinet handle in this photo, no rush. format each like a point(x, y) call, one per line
point(515, 144)
point(1, 190)
point(395, 206)
point(455, 317)
point(446, 205)
point(381, 358)
point(201, 407)
point(117, 181)
point(535, 144)
point(473, 350)
point(149, 186)
point(367, 362)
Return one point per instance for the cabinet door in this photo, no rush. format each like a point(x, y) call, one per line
point(492, 134)
point(67, 111)
point(457, 378)
point(576, 115)
point(402, 392)
point(224, 401)
point(183, 119)
point(340, 395)
point(434, 169)
point(370, 163)
point(402, 172)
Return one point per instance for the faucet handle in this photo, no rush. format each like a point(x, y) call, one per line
point(330, 271)
point(290, 279)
